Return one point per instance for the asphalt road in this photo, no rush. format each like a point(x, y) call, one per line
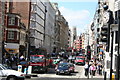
point(77, 75)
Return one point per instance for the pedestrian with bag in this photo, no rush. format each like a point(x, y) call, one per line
point(92, 70)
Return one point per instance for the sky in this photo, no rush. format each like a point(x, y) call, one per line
point(78, 13)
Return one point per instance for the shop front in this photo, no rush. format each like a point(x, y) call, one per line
point(12, 49)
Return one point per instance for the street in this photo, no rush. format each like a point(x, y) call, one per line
point(80, 38)
point(77, 75)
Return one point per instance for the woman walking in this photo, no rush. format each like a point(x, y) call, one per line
point(92, 69)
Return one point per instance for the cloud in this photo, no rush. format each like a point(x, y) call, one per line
point(76, 18)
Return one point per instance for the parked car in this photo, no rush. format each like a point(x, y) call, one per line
point(72, 67)
point(62, 68)
point(79, 60)
point(11, 74)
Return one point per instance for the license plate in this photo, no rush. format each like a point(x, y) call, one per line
point(61, 71)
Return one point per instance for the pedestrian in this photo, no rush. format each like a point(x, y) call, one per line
point(99, 68)
point(86, 67)
point(11, 59)
point(92, 69)
point(16, 59)
point(22, 57)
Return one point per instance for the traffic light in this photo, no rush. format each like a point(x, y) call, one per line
point(88, 53)
point(104, 34)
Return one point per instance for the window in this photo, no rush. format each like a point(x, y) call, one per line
point(11, 21)
point(116, 37)
point(10, 34)
point(17, 35)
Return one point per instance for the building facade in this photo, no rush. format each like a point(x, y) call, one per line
point(16, 25)
point(107, 39)
point(73, 35)
point(62, 32)
point(2, 26)
point(50, 28)
point(57, 28)
point(37, 25)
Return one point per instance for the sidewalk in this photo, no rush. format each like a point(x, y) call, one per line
point(97, 76)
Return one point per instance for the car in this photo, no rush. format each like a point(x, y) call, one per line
point(81, 55)
point(72, 67)
point(62, 68)
point(11, 74)
point(79, 60)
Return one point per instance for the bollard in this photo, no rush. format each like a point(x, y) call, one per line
point(20, 68)
point(113, 76)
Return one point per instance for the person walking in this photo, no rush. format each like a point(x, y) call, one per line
point(92, 70)
point(86, 67)
point(99, 68)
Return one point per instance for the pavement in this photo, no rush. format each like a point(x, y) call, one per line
point(97, 76)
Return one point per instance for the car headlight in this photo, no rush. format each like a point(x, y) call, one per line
point(58, 70)
point(66, 70)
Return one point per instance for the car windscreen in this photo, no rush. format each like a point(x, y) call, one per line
point(62, 65)
point(36, 59)
point(78, 58)
point(80, 54)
